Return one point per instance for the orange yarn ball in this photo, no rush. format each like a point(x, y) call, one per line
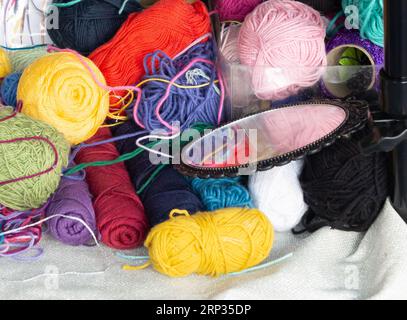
point(168, 25)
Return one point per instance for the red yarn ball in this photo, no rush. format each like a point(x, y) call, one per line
point(120, 215)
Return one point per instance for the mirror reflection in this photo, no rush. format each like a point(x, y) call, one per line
point(264, 136)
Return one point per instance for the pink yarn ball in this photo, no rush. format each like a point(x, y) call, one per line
point(229, 44)
point(235, 9)
point(283, 40)
point(289, 129)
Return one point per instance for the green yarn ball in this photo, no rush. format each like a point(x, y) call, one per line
point(24, 158)
point(21, 59)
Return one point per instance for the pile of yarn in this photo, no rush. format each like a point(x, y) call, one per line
point(193, 247)
point(73, 150)
point(195, 97)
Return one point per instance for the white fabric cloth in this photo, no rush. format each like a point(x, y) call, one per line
point(23, 23)
point(326, 265)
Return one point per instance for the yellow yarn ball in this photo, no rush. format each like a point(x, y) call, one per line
point(210, 243)
point(5, 64)
point(59, 90)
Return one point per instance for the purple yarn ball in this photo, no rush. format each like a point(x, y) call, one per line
point(71, 199)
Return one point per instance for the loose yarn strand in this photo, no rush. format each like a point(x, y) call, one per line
point(24, 48)
point(194, 43)
point(67, 4)
point(167, 94)
point(151, 178)
point(120, 159)
point(70, 273)
point(52, 217)
point(262, 266)
point(150, 137)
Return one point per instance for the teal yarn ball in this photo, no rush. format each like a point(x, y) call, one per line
point(370, 19)
point(8, 89)
point(222, 193)
point(32, 156)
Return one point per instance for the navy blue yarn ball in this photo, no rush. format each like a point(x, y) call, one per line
point(8, 89)
point(89, 24)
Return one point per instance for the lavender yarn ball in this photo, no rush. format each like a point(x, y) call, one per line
point(8, 89)
point(71, 199)
point(347, 39)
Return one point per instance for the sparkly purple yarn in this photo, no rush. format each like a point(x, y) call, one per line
point(352, 37)
point(71, 199)
point(345, 37)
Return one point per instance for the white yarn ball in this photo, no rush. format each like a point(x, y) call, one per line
point(277, 193)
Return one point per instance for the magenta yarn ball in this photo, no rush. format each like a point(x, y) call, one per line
point(235, 10)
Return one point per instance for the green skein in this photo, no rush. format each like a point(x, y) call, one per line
point(24, 158)
point(21, 59)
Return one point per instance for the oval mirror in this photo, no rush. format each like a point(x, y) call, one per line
point(271, 138)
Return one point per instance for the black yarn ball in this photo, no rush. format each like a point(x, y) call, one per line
point(343, 188)
point(324, 6)
point(89, 24)
point(360, 82)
